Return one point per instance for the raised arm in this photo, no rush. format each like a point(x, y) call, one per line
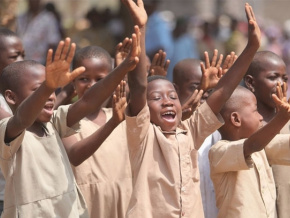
point(57, 74)
point(103, 89)
point(232, 78)
point(137, 79)
point(263, 136)
point(79, 151)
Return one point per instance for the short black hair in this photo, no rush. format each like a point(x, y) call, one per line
point(155, 77)
point(12, 74)
point(91, 52)
point(7, 32)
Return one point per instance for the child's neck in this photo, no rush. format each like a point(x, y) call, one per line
point(99, 117)
point(38, 129)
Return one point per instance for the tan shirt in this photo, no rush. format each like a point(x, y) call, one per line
point(246, 188)
point(39, 179)
point(282, 180)
point(165, 170)
point(105, 178)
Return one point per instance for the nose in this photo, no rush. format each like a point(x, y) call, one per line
point(167, 102)
point(52, 97)
point(19, 58)
point(93, 82)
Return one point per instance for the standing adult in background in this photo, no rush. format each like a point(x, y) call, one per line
point(38, 30)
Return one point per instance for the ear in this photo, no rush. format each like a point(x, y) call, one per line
point(236, 119)
point(249, 82)
point(10, 97)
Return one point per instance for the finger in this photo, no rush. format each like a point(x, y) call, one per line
point(71, 53)
point(118, 47)
point(58, 50)
point(202, 67)
point(206, 59)
point(226, 62)
point(163, 59)
point(127, 45)
point(276, 100)
point(65, 50)
point(284, 90)
point(279, 91)
point(154, 60)
point(220, 60)
point(214, 58)
point(167, 63)
point(134, 48)
point(78, 71)
point(49, 57)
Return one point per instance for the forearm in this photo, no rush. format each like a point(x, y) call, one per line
point(263, 136)
point(96, 95)
point(83, 149)
point(137, 80)
point(231, 79)
point(28, 111)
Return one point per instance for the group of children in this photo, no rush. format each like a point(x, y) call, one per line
point(141, 160)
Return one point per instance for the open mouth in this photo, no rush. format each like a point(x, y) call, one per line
point(169, 115)
point(48, 108)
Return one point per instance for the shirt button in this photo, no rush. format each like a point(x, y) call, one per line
point(183, 189)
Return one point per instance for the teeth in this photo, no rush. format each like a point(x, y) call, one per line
point(169, 113)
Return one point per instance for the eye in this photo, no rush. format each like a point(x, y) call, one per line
point(84, 79)
point(285, 79)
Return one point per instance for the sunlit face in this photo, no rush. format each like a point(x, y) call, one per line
point(251, 119)
point(265, 82)
point(164, 105)
point(33, 77)
point(10, 51)
point(96, 69)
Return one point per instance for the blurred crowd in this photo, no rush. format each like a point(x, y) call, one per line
point(180, 37)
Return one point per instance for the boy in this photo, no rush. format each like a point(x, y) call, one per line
point(163, 150)
point(105, 178)
point(239, 163)
point(265, 71)
point(11, 50)
point(30, 139)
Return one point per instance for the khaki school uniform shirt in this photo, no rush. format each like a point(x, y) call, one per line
point(105, 178)
point(165, 170)
point(39, 179)
point(282, 181)
point(246, 188)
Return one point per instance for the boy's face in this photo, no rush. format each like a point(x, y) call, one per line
point(265, 82)
point(96, 69)
point(164, 105)
point(10, 51)
point(191, 81)
point(251, 119)
point(32, 78)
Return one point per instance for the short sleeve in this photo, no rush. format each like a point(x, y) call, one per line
point(7, 150)
point(59, 121)
point(227, 156)
point(278, 151)
point(202, 123)
point(137, 127)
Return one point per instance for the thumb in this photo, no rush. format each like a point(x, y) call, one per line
point(77, 72)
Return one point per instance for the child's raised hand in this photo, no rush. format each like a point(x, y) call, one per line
point(254, 33)
point(280, 99)
point(159, 66)
point(229, 61)
point(119, 102)
point(58, 68)
point(191, 104)
point(133, 57)
point(137, 12)
point(211, 72)
point(122, 51)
